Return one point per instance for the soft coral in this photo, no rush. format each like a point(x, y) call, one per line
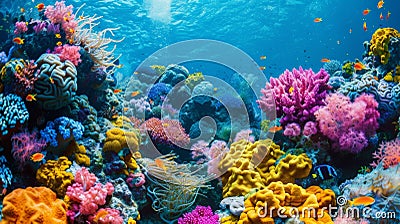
point(25, 144)
point(388, 153)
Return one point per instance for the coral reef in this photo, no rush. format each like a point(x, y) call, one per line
point(14, 114)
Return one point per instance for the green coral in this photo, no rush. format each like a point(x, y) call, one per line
point(348, 68)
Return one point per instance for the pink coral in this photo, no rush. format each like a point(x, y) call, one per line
point(68, 52)
point(135, 179)
point(347, 124)
point(244, 134)
point(199, 151)
point(200, 215)
point(25, 79)
point(25, 144)
point(88, 194)
point(62, 14)
point(388, 154)
point(297, 95)
point(20, 27)
point(217, 150)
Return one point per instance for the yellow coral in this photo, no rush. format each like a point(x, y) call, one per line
point(123, 122)
point(79, 151)
point(159, 69)
point(118, 139)
point(252, 165)
point(194, 79)
point(52, 174)
point(264, 205)
point(379, 44)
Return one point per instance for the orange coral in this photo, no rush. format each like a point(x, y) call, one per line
point(33, 205)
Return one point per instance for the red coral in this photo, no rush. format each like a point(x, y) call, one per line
point(169, 132)
point(24, 145)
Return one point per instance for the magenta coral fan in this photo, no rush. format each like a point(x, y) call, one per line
point(388, 154)
point(298, 95)
point(348, 124)
point(200, 215)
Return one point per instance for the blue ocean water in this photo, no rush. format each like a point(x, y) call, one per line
point(282, 30)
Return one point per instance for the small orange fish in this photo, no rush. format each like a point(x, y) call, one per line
point(388, 15)
point(317, 20)
point(100, 214)
point(263, 57)
point(325, 60)
point(365, 26)
point(18, 40)
point(160, 164)
point(380, 4)
point(350, 30)
point(22, 10)
point(262, 68)
point(275, 129)
point(51, 80)
point(381, 16)
point(31, 97)
point(359, 66)
point(366, 11)
point(376, 78)
point(362, 200)
point(81, 17)
point(40, 7)
point(126, 109)
point(66, 19)
point(58, 35)
point(59, 43)
point(135, 93)
point(115, 116)
point(37, 157)
point(117, 91)
point(71, 30)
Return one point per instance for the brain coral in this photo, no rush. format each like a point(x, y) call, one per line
point(34, 205)
point(13, 113)
point(380, 43)
point(58, 92)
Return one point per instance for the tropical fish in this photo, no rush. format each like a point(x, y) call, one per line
point(324, 172)
point(262, 68)
point(126, 109)
point(160, 164)
point(365, 26)
point(291, 89)
point(135, 93)
point(40, 7)
point(117, 91)
point(31, 97)
point(58, 35)
point(275, 129)
point(317, 20)
point(59, 43)
point(136, 73)
point(325, 60)
point(381, 16)
point(51, 80)
point(362, 200)
point(37, 157)
point(263, 57)
point(380, 4)
point(350, 30)
point(22, 10)
point(80, 17)
point(388, 15)
point(359, 66)
point(366, 11)
point(18, 40)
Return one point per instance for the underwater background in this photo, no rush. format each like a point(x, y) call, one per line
point(168, 111)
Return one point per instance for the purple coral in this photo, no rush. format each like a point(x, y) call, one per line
point(298, 95)
point(348, 124)
point(25, 144)
point(200, 215)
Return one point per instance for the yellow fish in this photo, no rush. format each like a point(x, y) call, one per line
point(58, 35)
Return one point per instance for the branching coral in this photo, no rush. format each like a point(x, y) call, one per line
point(96, 44)
point(388, 154)
point(25, 144)
point(175, 187)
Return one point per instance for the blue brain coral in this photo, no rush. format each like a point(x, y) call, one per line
point(13, 113)
point(62, 126)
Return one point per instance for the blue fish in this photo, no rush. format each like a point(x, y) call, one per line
point(324, 172)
